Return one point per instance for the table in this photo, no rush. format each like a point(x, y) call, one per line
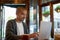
point(57, 37)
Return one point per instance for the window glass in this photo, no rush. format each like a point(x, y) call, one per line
point(56, 13)
point(34, 16)
point(46, 13)
point(8, 14)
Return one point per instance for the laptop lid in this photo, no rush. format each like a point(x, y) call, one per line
point(45, 30)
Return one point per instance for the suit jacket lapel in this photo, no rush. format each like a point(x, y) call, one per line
point(15, 26)
point(25, 28)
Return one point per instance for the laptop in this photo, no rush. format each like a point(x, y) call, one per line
point(45, 30)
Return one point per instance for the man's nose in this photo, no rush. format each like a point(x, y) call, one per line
point(23, 16)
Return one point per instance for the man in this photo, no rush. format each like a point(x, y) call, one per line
point(16, 29)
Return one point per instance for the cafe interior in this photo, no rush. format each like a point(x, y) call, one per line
point(43, 17)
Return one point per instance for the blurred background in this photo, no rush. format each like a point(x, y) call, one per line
point(38, 10)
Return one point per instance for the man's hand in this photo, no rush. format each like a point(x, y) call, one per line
point(34, 35)
point(24, 37)
point(27, 36)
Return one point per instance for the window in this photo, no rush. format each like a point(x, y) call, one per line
point(56, 18)
point(46, 13)
point(45, 1)
point(8, 14)
point(34, 16)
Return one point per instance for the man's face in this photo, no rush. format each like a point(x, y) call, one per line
point(21, 14)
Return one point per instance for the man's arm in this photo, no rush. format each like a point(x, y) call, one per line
point(11, 36)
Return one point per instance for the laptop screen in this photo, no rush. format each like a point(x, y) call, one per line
point(45, 30)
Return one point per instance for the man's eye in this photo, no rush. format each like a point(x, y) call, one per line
point(22, 13)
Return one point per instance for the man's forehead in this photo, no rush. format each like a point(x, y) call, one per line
point(21, 9)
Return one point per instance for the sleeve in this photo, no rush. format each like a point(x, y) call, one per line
point(9, 32)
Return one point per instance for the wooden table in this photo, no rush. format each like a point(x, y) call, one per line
point(57, 37)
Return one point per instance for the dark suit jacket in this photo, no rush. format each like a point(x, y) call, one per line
point(11, 30)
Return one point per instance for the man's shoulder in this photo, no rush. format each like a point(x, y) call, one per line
point(11, 20)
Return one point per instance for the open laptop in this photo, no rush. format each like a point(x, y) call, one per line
point(45, 30)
